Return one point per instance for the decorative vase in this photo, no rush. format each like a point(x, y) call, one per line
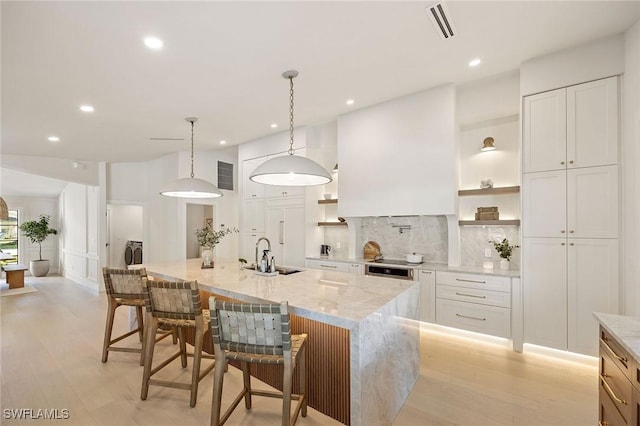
point(504, 264)
point(207, 258)
point(39, 268)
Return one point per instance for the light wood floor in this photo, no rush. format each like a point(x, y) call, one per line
point(50, 358)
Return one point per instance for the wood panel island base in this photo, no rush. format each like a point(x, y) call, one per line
point(363, 349)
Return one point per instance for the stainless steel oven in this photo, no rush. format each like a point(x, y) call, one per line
point(389, 272)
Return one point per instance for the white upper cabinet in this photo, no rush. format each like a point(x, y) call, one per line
point(578, 203)
point(544, 142)
point(250, 189)
point(399, 157)
point(571, 127)
point(592, 123)
point(592, 202)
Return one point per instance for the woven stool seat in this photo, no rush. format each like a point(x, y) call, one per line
point(177, 306)
point(124, 288)
point(257, 334)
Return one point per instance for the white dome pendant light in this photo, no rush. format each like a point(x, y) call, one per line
point(290, 170)
point(191, 187)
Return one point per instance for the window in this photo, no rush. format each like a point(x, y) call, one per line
point(9, 237)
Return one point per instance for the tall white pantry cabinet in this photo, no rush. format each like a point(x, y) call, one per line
point(570, 213)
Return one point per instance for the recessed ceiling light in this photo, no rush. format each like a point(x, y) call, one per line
point(86, 108)
point(53, 139)
point(223, 142)
point(350, 101)
point(274, 125)
point(153, 43)
point(474, 62)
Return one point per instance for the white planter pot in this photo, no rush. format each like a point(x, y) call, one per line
point(504, 264)
point(39, 268)
point(207, 258)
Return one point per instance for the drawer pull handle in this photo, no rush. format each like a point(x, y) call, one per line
point(475, 318)
point(610, 391)
point(328, 266)
point(471, 295)
point(618, 357)
point(471, 281)
point(425, 272)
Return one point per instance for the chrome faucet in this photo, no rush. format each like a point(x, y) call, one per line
point(257, 244)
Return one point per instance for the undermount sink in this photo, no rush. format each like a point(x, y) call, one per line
point(281, 269)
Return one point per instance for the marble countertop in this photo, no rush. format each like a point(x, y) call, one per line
point(429, 266)
point(625, 329)
point(336, 298)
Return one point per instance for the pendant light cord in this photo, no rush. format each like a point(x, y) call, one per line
point(291, 116)
point(192, 121)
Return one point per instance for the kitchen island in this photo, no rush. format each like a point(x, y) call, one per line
point(363, 332)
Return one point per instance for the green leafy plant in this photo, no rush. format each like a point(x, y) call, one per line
point(242, 260)
point(504, 249)
point(37, 231)
point(208, 238)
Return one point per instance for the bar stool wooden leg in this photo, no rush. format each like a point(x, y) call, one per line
point(183, 347)
point(246, 377)
point(149, 346)
point(140, 319)
point(218, 379)
point(286, 395)
point(197, 358)
point(108, 329)
point(303, 381)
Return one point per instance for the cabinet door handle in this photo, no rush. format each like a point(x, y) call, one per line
point(610, 391)
point(563, 231)
point(572, 231)
point(623, 360)
point(475, 318)
point(328, 266)
point(471, 295)
point(471, 281)
point(570, 244)
point(563, 244)
point(281, 236)
point(571, 162)
point(562, 163)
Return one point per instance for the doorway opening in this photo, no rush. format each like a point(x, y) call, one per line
point(198, 216)
point(125, 231)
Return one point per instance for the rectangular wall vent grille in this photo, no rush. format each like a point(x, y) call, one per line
point(225, 175)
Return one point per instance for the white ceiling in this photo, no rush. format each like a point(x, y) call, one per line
point(222, 62)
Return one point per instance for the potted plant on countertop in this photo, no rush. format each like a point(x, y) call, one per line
point(208, 238)
point(37, 231)
point(505, 250)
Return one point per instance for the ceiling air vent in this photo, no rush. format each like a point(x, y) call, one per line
point(438, 14)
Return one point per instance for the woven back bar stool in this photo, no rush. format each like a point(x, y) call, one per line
point(260, 334)
point(124, 288)
point(175, 305)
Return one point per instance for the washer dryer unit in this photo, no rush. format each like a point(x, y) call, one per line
point(133, 253)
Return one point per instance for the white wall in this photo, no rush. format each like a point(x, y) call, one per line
point(30, 208)
point(79, 229)
point(86, 172)
point(602, 58)
point(400, 157)
point(630, 175)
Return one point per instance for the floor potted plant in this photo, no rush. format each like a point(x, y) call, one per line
point(37, 231)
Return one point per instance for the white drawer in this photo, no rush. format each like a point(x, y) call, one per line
point(473, 295)
point(491, 320)
point(327, 265)
point(486, 282)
